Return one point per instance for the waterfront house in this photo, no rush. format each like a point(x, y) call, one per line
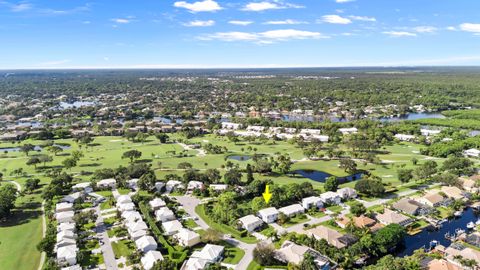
point(391, 217)
point(453, 192)
point(250, 222)
point(312, 201)
point(432, 199)
point(290, 252)
point(292, 210)
point(268, 215)
point(187, 238)
point(441, 264)
point(150, 258)
point(452, 253)
point(469, 184)
point(407, 206)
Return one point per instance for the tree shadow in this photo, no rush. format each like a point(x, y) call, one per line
point(90, 165)
point(22, 214)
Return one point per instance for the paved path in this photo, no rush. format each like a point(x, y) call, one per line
point(396, 195)
point(19, 187)
point(201, 152)
point(189, 204)
point(105, 245)
point(44, 231)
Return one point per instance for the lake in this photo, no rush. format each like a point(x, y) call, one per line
point(76, 104)
point(239, 157)
point(36, 148)
point(423, 239)
point(414, 116)
point(321, 176)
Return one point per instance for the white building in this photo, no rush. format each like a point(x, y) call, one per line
point(146, 243)
point(164, 214)
point(132, 227)
point(171, 227)
point(157, 203)
point(268, 215)
point(126, 207)
point(472, 153)
point(123, 199)
point(429, 132)
point(67, 255)
point(346, 131)
point(133, 183)
point(219, 187)
point(187, 238)
point(330, 197)
point(71, 198)
point(256, 128)
point(312, 201)
point(173, 184)
point(347, 193)
point(309, 131)
point(159, 186)
point(250, 222)
point(107, 183)
point(131, 216)
point(64, 217)
point(292, 210)
point(63, 207)
point(150, 258)
point(405, 137)
point(192, 185)
point(85, 187)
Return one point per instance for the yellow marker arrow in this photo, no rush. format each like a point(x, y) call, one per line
point(267, 195)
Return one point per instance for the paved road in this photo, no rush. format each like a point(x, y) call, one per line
point(19, 187)
point(396, 195)
point(105, 245)
point(189, 204)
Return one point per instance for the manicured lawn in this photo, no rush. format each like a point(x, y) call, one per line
point(190, 223)
point(123, 248)
point(20, 234)
point(200, 210)
point(233, 255)
point(296, 220)
point(335, 208)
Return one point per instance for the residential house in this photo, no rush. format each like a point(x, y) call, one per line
point(73, 267)
point(432, 199)
point(475, 153)
point(405, 137)
point(347, 193)
point(250, 222)
point(312, 201)
point(331, 197)
point(187, 238)
point(157, 203)
point(232, 126)
point(159, 186)
point(429, 132)
point(64, 217)
point(407, 206)
point(133, 183)
point(441, 264)
point(67, 226)
point(138, 234)
point(290, 252)
point(212, 253)
point(366, 222)
point(391, 217)
point(126, 207)
point(292, 210)
point(173, 184)
point(453, 192)
point(469, 184)
point(131, 216)
point(139, 225)
point(219, 187)
point(71, 198)
point(452, 253)
point(146, 243)
point(164, 214)
point(333, 237)
point(67, 255)
point(268, 215)
point(85, 187)
point(63, 207)
point(150, 258)
point(171, 227)
point(193, 185)
point(107, 183)
point(346, 131)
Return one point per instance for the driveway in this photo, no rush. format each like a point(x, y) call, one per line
point(189, 204)
point(105, 245)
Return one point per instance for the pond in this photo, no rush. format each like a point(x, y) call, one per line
point(423, 239)
point(239, 157)
point(321, 176)
point(413, 116)
point(37, 148)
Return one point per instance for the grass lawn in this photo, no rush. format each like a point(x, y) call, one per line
point(200, 210)
point(255, 266)
point(233, 255)
point(267, 231)
point(20, 234)
point(296, 220)
point(123, 248)
point(190, 223)
point(335, 208)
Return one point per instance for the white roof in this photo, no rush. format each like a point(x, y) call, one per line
point(329, 195)
point(138, 234)
point(136, 226)
point(186, 234)
point(73, 267)
point(66, 226)
point(157, 202)
point(209, 252)
point(150, 258)
point(67, 252)
point(145, 241)
point(164, 212)
point(63, 206)
point(219, 186)
point(64, 215)
point(294, 208)
point(81, 185)
point(124, 199)
point(106, 182)
point(126, 206)
point(312, 199)
point(250, 219)
point(195, 184)
point(268, 211)
point(195, 264)
point(172, 226)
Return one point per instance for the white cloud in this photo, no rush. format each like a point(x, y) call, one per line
point(54, 63)
point(470, 27)
point(121, 20)
point(335, 19)
point(344, 1)
point(200, 6)
point(283, 22)
point(266, 5)
point(400, 34)
point(264, 37)
point(425, 29)
point(243, 23)
point(198, 23)
point(451, 28)
point(363, 18)
point(21, 7)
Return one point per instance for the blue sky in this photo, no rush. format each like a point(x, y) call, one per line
point(237, 33)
